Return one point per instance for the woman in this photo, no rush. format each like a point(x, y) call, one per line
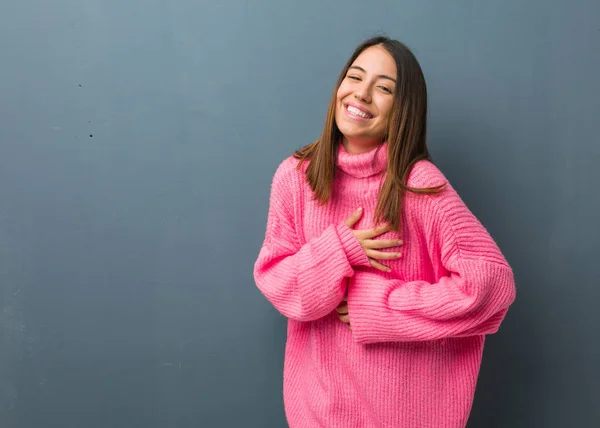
point(388, 280)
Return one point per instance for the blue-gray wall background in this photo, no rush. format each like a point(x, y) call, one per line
point(138, 140)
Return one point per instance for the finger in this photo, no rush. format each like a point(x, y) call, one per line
point(382, 243)
point(344, 318)
point(349, 326)
point(379, 230)
point(379, 266)
point(342, 309)
point(382, 255)
point(356, 215)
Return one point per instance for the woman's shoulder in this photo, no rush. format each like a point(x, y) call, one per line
point(288, 172)
point(425, 173)
point(288, 167)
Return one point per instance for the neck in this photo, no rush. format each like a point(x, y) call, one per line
point(366, 164)
point(356, 146)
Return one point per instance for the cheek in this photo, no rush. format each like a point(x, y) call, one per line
point(340, 96)
point(343, 91)
point(385, 110)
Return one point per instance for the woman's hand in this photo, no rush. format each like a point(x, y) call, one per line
point(342, 312)
point(370, 245)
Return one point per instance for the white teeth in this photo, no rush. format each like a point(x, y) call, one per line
point(357, 112)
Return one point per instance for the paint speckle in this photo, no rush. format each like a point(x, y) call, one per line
point(91, 135)
point(80, 85)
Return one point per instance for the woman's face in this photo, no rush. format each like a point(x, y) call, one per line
point(365, 97)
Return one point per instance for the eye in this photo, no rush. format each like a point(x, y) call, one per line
point(385, 89)
point(353, 77)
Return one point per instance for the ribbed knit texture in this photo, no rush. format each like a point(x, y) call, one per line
point(413, 355)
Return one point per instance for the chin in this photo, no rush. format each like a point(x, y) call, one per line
point(353, 134)
point(350, 131)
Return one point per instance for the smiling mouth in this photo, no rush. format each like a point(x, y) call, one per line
point(356, 112)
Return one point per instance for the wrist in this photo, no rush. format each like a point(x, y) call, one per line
point(354, 252)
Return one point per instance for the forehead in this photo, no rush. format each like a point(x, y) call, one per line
point(376, 59)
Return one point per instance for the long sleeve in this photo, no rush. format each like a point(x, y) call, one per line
point(471, 296)
point(303, 282)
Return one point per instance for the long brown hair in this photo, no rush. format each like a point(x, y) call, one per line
point(406, 136)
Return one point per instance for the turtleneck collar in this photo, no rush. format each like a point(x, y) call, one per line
point(365, 164)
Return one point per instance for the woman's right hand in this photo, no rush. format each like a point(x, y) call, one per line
point(372, 246)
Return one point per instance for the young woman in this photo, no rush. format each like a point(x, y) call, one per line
point(388, 281)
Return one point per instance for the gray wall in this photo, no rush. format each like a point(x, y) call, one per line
point(137, 144)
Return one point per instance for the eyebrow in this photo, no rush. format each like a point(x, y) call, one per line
point(383, 76)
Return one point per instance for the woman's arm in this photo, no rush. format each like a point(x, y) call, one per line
point(471, 299)
point(303, 282)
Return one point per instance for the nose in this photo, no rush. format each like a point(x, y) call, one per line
point(362, 93)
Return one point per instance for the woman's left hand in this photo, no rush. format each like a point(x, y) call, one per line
point(342, 312)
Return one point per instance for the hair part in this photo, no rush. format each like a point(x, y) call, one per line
point(406, 136)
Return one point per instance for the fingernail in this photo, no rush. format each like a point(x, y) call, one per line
point(398, 254)
point(359, 209)
point(400, 242)
point(388, 270)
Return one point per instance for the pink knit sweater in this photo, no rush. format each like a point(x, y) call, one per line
point(413, 355)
